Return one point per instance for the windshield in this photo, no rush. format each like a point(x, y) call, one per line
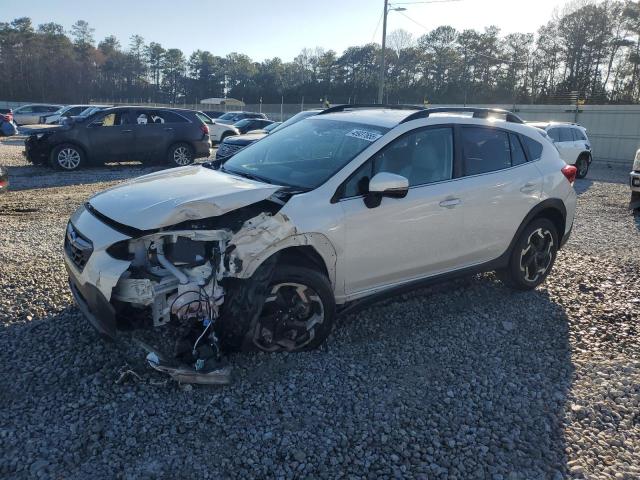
point(297, 117)
point(306, 155)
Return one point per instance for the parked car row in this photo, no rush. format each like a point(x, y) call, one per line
point(231, 145)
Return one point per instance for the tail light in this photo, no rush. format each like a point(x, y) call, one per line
point(204, 129)
point(570, 172)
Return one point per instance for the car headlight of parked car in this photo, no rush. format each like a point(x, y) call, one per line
point(636, 162)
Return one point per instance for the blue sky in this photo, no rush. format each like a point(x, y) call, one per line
point(268, 28)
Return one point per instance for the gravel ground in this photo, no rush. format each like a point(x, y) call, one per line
point(464, 380)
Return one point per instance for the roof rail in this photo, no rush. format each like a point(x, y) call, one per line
point(347, 106)
point(477, 113)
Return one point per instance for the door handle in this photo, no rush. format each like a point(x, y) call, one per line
point(126, 131)
point(450, 202)
point(528, 187)
point(168, 128)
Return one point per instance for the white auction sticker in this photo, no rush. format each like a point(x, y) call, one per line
point(364, 135)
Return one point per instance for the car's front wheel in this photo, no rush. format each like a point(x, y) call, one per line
point(67, 157)
point(298, 312)
point(533, 256)
point(180, 155)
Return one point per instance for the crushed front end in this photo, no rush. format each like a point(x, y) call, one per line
point(125, 279)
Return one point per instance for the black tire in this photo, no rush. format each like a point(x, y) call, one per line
point(533, 256)
point(67, 157)
point(257, 317)
point(223, 136)
point(582, 164)
point(180, 155)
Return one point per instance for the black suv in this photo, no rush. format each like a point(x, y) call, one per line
point(173, 135)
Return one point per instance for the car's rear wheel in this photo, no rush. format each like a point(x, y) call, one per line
point(180, 155)
point(582, 164)
point(67, 157)
point(298, 312)
point(533, 256)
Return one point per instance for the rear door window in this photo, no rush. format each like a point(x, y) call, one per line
point(113, 119)
point(554, 133)
point(565, 134)
point(485, 150)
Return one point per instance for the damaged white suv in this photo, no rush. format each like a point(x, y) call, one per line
point(264, 250)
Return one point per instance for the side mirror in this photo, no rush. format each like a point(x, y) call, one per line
point(385, 184)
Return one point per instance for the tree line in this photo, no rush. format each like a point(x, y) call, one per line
point(590, 51)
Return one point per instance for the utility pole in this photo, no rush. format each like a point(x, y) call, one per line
point(384, 44)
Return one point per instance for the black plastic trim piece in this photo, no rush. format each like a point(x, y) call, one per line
point(477, 113)
point(347, 106)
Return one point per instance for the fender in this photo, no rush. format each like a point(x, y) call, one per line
point(319, 242)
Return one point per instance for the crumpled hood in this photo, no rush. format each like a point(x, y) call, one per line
point(172, 196)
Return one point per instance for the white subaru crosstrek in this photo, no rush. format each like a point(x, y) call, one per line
point(264, 250)
point(572, 143)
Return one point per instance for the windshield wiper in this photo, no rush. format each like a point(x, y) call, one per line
point(250, 176)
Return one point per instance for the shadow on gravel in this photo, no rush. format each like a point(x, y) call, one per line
point(467, 379)
point(582, 185)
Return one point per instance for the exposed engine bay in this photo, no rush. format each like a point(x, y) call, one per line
point(177, 275)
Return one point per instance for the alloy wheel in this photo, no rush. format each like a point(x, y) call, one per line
point(68, 158)
point(537, 255)
point(290, 317)
point(182, 156)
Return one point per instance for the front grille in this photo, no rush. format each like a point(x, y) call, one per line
point(227, 150)
point(77, 247)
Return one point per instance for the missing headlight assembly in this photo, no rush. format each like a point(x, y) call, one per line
point(178, 275)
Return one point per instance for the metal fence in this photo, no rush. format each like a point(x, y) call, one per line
point(614, 130)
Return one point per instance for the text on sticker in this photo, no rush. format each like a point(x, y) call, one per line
point(364, 135)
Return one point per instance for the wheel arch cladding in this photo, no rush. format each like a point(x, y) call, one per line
point(552, 209)
point(311, 249)
point(303, 256)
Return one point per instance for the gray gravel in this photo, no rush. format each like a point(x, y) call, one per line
point(463, 380)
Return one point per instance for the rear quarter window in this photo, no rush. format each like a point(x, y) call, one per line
point(170, 117)
point(534, 147)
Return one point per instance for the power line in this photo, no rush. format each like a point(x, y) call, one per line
point(373, 37)
point(466, 48)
